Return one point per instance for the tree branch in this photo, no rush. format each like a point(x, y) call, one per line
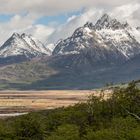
point(132, 114)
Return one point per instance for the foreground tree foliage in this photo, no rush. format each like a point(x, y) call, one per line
point(116, 118)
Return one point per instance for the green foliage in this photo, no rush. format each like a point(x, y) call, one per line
point(116, 118)
point(65, 132)
point(28, 127)
point(120, 129)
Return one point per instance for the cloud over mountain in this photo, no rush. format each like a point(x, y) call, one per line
point(23, 16)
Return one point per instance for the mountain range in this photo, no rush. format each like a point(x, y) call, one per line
point(95, 54)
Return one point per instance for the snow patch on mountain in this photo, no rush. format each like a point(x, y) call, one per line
point(121, 40)
point(23, 44)
point(107, 34)
point(136, 33)
point(51, 47)
point(108, 22)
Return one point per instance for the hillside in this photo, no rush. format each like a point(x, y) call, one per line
point(20, 75)
point(40, 75)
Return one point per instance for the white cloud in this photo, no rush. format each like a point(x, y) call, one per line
point(39, 31)
point(50, 7)
point(129, 13)
point(92, 15)
point(25, 24)
point(16, 24)
point(27, 12)
point(74, 22)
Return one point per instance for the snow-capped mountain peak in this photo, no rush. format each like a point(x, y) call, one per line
point(89, 25)
point(107, 37)
point(23, 45)
point(107, 22)
point(15, 35)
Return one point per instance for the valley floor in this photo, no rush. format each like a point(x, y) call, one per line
point(16, 102)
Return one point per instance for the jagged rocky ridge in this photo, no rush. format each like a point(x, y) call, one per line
point(23, 45)
point(108, 39)
point(92, 56)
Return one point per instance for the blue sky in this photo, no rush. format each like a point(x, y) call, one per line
point(5, 18)
point(59, 19)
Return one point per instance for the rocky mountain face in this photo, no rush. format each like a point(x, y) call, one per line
point(98, 54)
point(138, 28)
point(108, 41)
point(92, 56)
point(20, 48)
